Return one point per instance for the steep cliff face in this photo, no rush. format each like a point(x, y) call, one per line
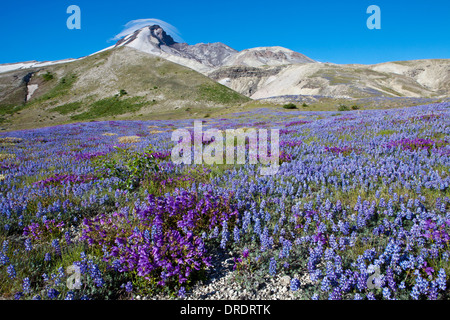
point(14, 87)
point(243, 79)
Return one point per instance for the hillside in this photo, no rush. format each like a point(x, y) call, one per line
point(113, 84)
point(421, 78)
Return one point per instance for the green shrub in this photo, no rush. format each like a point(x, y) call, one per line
point(47, 76)
point(130, 169)
point(355, 107)
point(290, 106)
point(343, 108)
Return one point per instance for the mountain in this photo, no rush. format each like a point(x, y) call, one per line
point(265, 72)
point(118, 83)
point(200, 57)
point(147, 73)
point(205, 57)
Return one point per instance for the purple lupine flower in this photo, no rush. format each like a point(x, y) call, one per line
point(225, 234)
point(28, 245)
point(56, 246)
point(295, 284)
point(52, 293)
point(272, 266)
point(129, 286)
point(236, 234)
point(4, 260)
point(26, 285)
point(11, 271)
point(441, 280)
point(18, 295)
point(182, 292)
point(70, 296)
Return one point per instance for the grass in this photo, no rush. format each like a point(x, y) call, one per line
point(220, 94)
point(4, 156)
point(439, 136)
point(311, 139)
point(111, 107)
point(6, 110)
point(386, 132)
point(68, 107)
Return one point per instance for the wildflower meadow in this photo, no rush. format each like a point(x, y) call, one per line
point(358, 209)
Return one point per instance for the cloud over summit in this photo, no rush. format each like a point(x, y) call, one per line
point(134, 25)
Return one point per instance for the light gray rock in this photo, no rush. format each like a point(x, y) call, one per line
point(285, 280)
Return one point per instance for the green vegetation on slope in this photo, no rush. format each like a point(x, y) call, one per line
point(47, 76)
point(62, 88)
point(9, 110)
point(216, 92)
point(68, 107)
point(111, 107)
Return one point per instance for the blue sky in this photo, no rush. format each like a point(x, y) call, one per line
point(327, 31)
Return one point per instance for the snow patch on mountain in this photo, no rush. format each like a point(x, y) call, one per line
point(31, 88)
point(7, 67)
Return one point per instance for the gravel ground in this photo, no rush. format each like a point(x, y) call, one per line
point(222, 286)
